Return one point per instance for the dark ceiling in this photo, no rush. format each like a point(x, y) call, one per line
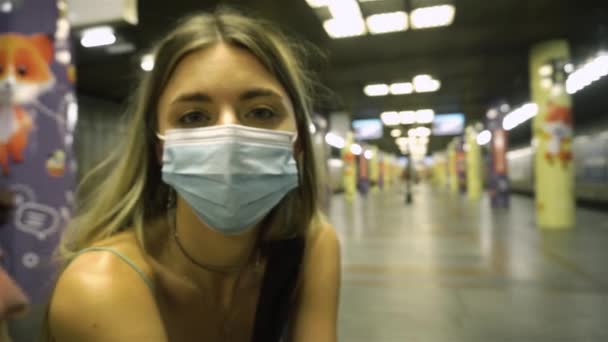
point(481, 59)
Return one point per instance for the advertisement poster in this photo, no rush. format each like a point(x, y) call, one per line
point(498, 174)
point(38, 113)
point(461, 165)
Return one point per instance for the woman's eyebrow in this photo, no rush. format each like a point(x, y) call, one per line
point(193, 97)
point(245, 96)
point(259, 92)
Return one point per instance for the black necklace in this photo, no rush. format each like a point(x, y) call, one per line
point(205, 266)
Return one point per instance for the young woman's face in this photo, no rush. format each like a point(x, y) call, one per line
point(222, 85)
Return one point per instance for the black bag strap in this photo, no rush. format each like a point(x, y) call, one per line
point(281, 275)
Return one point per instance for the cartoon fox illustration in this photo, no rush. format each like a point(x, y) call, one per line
point(24, 75)
point(557, 129)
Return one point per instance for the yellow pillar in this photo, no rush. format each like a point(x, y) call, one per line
point(452, 173)
point(552, 130)
point(350, 169)
point(440, 170)
point(474, 181)
point(374, 169)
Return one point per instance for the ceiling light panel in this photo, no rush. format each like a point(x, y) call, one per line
point(425, 116)
point(407, 117)
point(317, 3)
point(387, 22)
point(390, 118)
point(344, 28)
point(434, 16)
point(426, 84)
point(376, 90)
point(401, 88)
point(344, 9)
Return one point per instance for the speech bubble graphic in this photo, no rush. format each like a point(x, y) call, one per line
point(37, 219)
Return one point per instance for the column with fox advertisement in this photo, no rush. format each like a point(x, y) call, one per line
point(374, 169)
point(38, 113)
point(552, 131)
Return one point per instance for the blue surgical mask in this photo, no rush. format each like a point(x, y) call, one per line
point(231, 175)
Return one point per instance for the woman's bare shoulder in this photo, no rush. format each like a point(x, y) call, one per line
point(99, 297)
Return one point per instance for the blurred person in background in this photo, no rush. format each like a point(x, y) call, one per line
point(13, 302)
point(206, 225)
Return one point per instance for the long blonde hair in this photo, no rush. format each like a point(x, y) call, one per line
point(126, 190)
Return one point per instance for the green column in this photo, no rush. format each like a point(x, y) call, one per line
point(474, 181)
point(452, 173)
point(350, 169)
point(552, 131)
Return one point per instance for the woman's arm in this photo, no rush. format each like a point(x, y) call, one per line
point(316, 312)
point(100, 298)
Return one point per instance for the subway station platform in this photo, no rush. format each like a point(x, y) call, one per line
point(446, 269)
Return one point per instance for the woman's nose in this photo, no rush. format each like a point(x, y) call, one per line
point(227, 116)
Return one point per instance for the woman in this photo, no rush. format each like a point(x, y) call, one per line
point(206, 228)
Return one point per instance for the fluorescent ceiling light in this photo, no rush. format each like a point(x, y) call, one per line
point(147, 62)
point(425, 116)
point(434, 16)
point(334, 140)
point(98, 36)
point(484, 137)
point(426, 84)
point(589, 73)
point(376, 90)
point(519, 116)
point(345, 9)
point(423, 132)
point(401, 88)
point(356, 149)
point(387, 22)
point(390, 118)
point(317, 3)
point(396, 133)
point(408, 117)
point(341, 28)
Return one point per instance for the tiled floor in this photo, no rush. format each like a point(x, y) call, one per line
point(446, 269)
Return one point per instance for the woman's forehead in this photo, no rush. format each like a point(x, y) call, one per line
point(219, 70)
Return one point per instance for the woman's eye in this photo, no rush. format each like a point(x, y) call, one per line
point(262, 114)
point(194, 118)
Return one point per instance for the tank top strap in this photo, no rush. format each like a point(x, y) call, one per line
point(124, 258)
